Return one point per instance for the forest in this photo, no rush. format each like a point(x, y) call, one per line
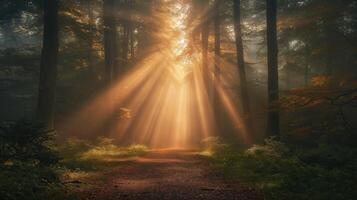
point(178, 99)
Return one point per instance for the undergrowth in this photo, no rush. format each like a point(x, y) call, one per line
point(95, 155)
point(282, 171)
point(34, 167)
point(28, 163)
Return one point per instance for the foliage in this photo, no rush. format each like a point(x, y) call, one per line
point(31, 183)
point(27, 163)
point(102, 153)
point(30, 164)
point(283, 173)
point(29, 142)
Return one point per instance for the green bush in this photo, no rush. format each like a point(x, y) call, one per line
point(281, 174)
point(27, 141)
point(28, 163)
point(102, 153)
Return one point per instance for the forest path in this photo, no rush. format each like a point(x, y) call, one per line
point(167, 174)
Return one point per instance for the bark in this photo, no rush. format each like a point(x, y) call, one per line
point(91, 40)
point(204, 40)
point(131, 40)
point(217, 55)
point(131, 33)
point(273, 124)
point(126, 42)
point(240, 62)
point(48, 68)
point(110, 41)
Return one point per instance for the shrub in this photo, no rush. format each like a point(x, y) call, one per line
point(85, 155)
point(27, 163)
point(281, 174)
point(27, 141)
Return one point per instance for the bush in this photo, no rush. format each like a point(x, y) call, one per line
point(27, 163)
point(27, 141)
point(85, 155)
point(281, 174)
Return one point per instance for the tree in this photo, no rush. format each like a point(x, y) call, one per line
point(125, 39)
point(273, 76)
point(204, 40)
point(240, 61)
point(110, 40)
point(90, 40)
point(48, 68)
point(217, 54)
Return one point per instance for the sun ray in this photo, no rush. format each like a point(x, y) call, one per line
point(163, 101)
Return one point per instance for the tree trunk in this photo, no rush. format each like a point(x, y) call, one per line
point(217, 61)
point(273, 126)
point(126, 42)
point(204, 40)
point(131, 33)
point(110, 40)
point(48, 68)
point(131, 40)
point(91, 41)
point(241, 63)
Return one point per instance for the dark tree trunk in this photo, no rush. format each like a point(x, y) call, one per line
point(131, 40)
point(131, 33)
point(126, 42)
point(217, 55)
point(273, 126)
point(110, 41)
point(91, 41)
point(241, 62)
point(48, 68)
point(204, 40)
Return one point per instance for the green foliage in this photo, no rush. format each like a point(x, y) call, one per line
point(100, 154)
point(27, 163)
point(31, 183)
point(28, 142)
point(282, 174)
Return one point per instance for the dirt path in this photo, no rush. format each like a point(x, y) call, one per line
point(167, 174)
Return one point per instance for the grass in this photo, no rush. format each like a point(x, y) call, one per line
point(102, 153)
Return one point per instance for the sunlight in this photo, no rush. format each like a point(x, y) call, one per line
point(163, 102)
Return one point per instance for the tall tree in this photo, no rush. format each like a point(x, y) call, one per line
point(90, 39)
point(240, 61)
point(131, 31)
point(110, 40)
point(204, 40)
point(273, 125)
point(217, 55)
point(48, 68)
point(125, 44)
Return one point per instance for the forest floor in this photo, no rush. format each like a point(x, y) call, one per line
point(163, 174)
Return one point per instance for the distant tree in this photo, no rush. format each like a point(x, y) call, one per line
point(217, 54)
point(110, 40)
point(90, 39)
point(48, 68)
point(273, 125)
point(240, 61)
point(204, 40)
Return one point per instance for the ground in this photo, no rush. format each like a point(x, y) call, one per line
point(164, 174)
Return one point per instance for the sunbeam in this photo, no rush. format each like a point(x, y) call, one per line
point(163, 102)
